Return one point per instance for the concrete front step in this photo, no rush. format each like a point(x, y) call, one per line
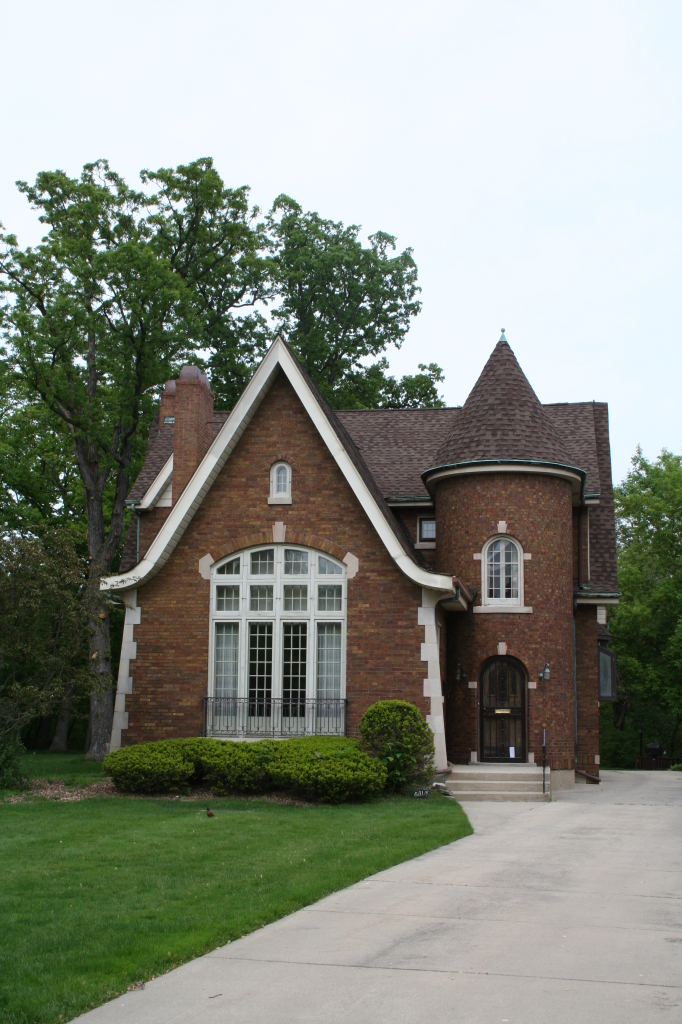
point(503, 785)
point(498, 782)
point(477, 794)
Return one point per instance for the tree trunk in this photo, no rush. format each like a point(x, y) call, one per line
point(101, 702)
point(62, 731)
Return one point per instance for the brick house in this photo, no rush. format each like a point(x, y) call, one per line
point(287, 565)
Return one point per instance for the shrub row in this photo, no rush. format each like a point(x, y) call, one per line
point(320, 768)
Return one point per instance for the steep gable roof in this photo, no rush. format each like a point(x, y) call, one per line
point(502, 420)
point(279, 359)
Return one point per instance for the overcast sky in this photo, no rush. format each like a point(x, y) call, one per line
point(529, 153)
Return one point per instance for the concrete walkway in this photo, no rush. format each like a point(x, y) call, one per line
point(549, 913)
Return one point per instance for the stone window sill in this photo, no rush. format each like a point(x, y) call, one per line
point(281, 499)
point(496, 609)
point(423, 544)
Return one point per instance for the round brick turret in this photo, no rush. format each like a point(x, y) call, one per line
point(535, 510)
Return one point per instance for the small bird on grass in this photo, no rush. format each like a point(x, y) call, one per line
point(209, 813)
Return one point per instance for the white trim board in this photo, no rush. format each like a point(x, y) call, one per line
point(157, 486)
point(277, 358)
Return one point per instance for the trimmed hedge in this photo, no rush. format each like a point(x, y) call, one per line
point(396, 733)
point(330, 769)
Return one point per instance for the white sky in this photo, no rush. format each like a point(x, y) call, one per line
point(529, 152)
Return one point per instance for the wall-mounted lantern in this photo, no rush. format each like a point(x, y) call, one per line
point(543, 674)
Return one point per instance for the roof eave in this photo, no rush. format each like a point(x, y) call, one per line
point(429, 476)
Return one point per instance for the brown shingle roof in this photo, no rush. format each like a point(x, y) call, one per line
point(159, 450)
point(575, 423)
point(399, 444)
point(502, 419)
point(391, 448)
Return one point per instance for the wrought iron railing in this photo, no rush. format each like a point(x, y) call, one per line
point(274, 717)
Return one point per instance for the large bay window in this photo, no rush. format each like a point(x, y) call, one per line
point(277, 647)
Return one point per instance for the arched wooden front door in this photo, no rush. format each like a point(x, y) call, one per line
point(503, 710)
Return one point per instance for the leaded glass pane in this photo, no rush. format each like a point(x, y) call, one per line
point(263, 562)
point(227, 599)
point(261, 599)
point(294, 667)
point(326, 567)
point(295, 598)
point(226, 681)
point(260, 667)
point(329, 598)
point(295, 562)
point(503, 571)
point(230, 568)
point(281, 480)
point(328, 660)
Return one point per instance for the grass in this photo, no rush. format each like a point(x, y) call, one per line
point(70, 768)
point(103, 893)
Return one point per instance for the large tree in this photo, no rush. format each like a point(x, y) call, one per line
point(94, 321)
point(124, 287)
point(212, 239)
point(343, 303)
point(43, 627)
point(647, 625)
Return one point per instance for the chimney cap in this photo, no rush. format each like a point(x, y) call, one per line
point(192, 372)
point(169, 386)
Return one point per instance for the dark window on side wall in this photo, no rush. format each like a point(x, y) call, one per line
point(607, 674)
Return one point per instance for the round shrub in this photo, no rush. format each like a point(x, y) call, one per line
point(159, 767)
point(396, 733)
point(10, 763)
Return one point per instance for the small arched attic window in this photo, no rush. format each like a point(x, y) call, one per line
point(280, 484)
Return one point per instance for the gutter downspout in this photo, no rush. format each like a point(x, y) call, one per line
point(575, 690)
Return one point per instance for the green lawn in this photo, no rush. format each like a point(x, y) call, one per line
point(71, 768)
point(105, 892)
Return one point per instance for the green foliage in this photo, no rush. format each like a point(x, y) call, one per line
point(647, 624)
point(11, 758)
point(150, 768)
point(397, 734)
point(320, 768)
point(101, 894)
point(332, 770)
point(342, 302)
point(43, 628)
point(212, 241)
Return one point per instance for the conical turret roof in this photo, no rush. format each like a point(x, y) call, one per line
point(502, 420)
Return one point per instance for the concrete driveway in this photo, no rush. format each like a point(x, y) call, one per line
point(549, 913)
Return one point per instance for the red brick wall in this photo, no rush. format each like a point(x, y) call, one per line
point(538, 513)
point(170, 675)
point(587, 673)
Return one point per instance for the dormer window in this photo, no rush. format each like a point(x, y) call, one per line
point(280, 484)
point(502, 571)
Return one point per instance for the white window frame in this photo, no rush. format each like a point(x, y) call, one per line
point(501, 604)
point(278, 617)
point(424, 543)
point(283, 497)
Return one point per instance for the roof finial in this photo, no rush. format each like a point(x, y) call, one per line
point(502, 337)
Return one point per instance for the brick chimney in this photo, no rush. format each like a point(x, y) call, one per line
point(192, 406)
point(167, 410)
